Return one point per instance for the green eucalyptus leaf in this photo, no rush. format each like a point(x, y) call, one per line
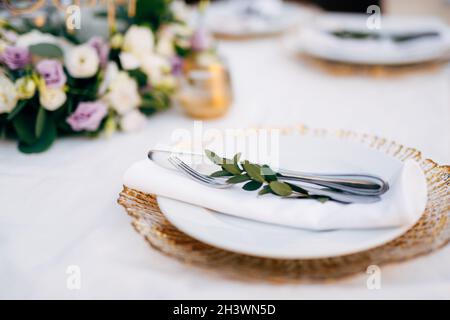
point(214, 157)
point(268, 173)
point(47, 50)
point(236, 158)
point(280, 188)
point(238, 179)
point(256, 176)
point(253, 171)
point(266, 189)
point(231, 168)
point(252, 185)
point(297, 188)
point(220, 173)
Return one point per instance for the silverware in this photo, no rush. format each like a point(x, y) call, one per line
point(395, 37)
point(221, 184)
point(197, 176)
point(360, 184)
point(399, 38)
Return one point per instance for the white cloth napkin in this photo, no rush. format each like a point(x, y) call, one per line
point(402, 205)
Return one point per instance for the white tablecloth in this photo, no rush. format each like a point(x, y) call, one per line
point(59, 208)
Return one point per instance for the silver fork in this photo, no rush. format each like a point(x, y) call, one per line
point(197, 176)
point(181, 166)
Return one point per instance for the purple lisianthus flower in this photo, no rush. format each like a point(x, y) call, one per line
point(200, 40)
point(177, 65)
point(52, 72)
point(102, 49)
point(87, 116)
point(15, 57)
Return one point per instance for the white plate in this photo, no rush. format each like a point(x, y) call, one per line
point(316, 41)
point(265, 240)
point(223, 18)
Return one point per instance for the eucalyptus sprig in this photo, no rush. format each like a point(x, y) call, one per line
point(257, 177)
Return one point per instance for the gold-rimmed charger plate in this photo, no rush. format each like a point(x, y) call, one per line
point(430, 233)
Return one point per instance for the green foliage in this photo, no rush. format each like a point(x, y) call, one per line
point(35, 129)
point(138, 75)
point(221, 173)
point(183, 51)
point(280, 188)
point(252, 185)
point(153, 13)
point(41, 143)
point(20, 105)
point(256, 177)
point(46, 50)
point(23, 124)
point(238, 178)
point(154, 101)
point(83, 89)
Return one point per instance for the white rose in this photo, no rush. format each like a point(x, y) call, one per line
point(8, 95)
point(128, 61)
point(138, 41)
point(123, 94)
point(82, 62)
point(165, 46)
point(166, 39)
point(25, 87)
point(110, 74)
point(155, 67)
point(51, 99)
point(132, 121)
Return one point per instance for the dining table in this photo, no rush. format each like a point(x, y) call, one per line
point(59, 210)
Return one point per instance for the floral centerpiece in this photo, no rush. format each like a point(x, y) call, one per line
point(51, 87)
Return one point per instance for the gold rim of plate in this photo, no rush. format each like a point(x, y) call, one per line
point(430, 233)
point(339, 68)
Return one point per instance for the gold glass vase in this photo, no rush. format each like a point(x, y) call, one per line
point(205, 90)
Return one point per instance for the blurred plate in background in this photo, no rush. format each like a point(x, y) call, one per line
point(251, 18)
point(399, 40)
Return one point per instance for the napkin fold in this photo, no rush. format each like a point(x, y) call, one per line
point(402, 205)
